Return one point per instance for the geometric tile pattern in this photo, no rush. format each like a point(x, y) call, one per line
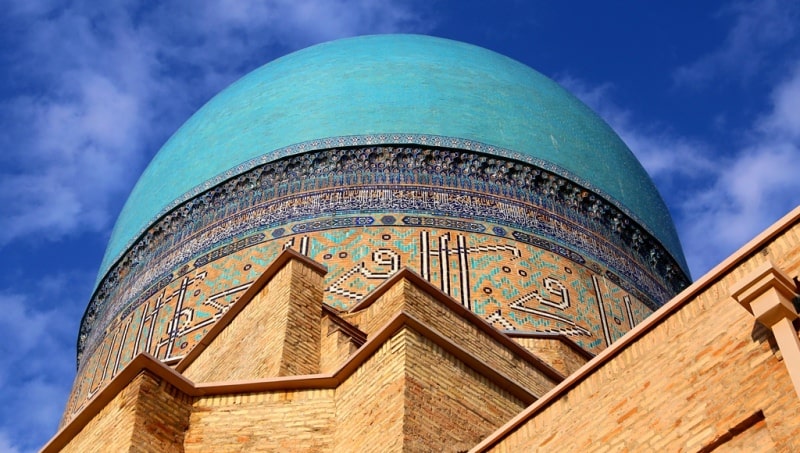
point(443, 187)
point(521, 247)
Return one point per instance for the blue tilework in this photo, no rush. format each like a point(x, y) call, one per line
point(391, 88)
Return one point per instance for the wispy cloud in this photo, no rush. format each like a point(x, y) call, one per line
point(760, 27)
point(6, 445)
point(37, 363)
point(750, 186)
point(754, 187)
point(720, 198)
point(116, 79)
point(783, 121)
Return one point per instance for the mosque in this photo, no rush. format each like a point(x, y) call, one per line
point(407, 243)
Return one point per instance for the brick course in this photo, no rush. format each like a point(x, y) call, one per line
point(162, 417)
point(690, 384)
point(449, 407)
point(147, 416)
point(370, 403)
point(300, 420)
point(409, 297)
point(335, 346)
point(556, 353)
point(276, 334)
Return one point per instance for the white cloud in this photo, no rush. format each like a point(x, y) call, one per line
point(78, 139)
point(754, 188)
point(6, 444)
point(720, 198)
point(79, 154)
point(118, 78)
point(759, 27)
point(36, 365)
point(783, 122)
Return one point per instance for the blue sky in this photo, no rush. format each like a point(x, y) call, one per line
point(707, 94)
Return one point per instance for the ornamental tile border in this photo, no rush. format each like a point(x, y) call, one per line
point(370, 140)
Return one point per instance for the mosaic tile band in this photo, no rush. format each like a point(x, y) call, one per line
point(395, 140)
point(437, 184)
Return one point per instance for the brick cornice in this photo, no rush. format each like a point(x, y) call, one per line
point(767, 293)
point(318, 381)
point(357, 336)
point(552, 336)
point(607, 355)
point(142, 363)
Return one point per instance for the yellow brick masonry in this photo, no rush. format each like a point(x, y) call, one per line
point(162, 416)
point(146, 416)
point(370, 403)
point(755, 439)
point(706, 377)
point(276, 334)
point(299, 420)
point(335, 347)
point(449, 407)
point(410, 395)
point(301, 349)
point(406, 390)
point(112, 427)
point(565, 359)
point(432, 311)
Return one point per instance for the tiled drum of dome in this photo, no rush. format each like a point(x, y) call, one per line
point(512, 285)
point(330, 183)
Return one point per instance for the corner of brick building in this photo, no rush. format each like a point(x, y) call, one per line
point(278, 371)
point(700, 375)
point(147, 415)
point(274, 332)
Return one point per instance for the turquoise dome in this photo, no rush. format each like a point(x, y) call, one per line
point(391, 89)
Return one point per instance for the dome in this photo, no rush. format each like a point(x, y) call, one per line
point(369, 156)
point(384, 88)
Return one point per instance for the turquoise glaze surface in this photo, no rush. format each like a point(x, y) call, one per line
point(407, 88)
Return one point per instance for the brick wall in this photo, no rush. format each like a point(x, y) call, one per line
point(555, 353)
point(370, 403)
point(301, 348)
point(300, 420)
point(449, 407)
point(112, 428)
point(162, 417)
point(707, 377)
point(335, 347)
point(410, 395)
point(408, 297)
point(145, 416)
